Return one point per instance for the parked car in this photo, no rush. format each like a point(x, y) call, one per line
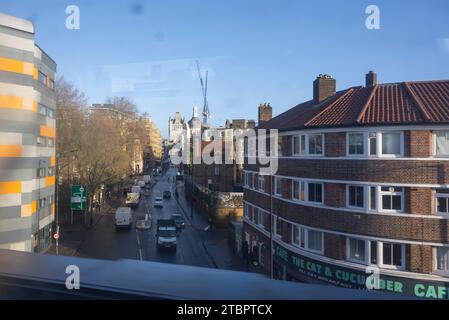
point(179, 220)
point(158, 202)
point(167, 194)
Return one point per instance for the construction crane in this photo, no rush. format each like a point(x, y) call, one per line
point(206, 112)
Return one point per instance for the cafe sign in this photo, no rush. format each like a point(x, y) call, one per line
point(359, 279)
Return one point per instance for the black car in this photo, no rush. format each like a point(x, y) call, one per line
point(167, 194)
point(179, 221)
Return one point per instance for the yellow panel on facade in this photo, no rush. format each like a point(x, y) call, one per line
point(16, 66)
point(50, 181)
point(10, 187)
point(13, 102)
point(53, 208)
point(10, 151)
point(35, 73)
point(33, 206)
point(46, 131)
point(52, 161)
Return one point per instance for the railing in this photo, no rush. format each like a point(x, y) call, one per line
point(42, 276)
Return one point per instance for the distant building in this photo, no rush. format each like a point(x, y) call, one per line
point(218, 187)
point(175, 128)
point(362, 182)
point(27, 139)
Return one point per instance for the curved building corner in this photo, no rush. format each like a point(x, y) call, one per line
point(27, 139)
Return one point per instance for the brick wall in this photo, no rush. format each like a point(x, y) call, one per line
point(418, 143)
point(335, 144)
point(420, 258)
point(386, 226)
point(419, 201)
point(334, 194)
point(287, 188)
point(387, 171)
point(334, 246)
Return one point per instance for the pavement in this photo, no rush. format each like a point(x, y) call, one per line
point(195, 247)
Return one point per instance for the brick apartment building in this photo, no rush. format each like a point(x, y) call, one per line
point(362, 184)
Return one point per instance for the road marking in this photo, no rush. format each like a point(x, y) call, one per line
point(140, 254)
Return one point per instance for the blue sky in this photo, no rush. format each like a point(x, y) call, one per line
point(255, 50)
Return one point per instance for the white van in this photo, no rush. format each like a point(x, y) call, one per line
point(135, 189)
point(123, 217)
point(141, 183)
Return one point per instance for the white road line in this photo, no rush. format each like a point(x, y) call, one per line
point(140, 254)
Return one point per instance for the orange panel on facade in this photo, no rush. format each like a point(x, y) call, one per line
point(46, 131)
point(10, 151)
point(10, 187)
point(16, 66)
point(50, 181)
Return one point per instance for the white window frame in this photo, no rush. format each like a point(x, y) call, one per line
point(274, 224)
point(435, 262)
point(442, 195)
point(300, 231)
point(260, 213)
point(380, 202)
point(365, 194)
point(380, 142)
point(261, 183)
point(300, 188)
point(367, 259)
point(276, 186)
point(380, 256)
point(308, 145)
point(365, 143)
point(434, 144)
point(296, 137)
point(302, 148)
point(307, 192)
point(305, 231)
point(254, 215)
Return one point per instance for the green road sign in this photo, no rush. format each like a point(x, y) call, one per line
point(79, 199)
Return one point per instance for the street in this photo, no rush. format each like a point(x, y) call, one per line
point(105, 242)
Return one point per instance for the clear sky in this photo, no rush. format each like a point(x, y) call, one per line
point(255, 50)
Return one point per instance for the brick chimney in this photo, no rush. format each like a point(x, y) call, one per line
point(371, 79)
point(265, 112)
point(324, 86)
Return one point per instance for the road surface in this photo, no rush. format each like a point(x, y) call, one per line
point(104, 242)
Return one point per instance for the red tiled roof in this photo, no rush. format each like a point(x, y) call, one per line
point(383, 104)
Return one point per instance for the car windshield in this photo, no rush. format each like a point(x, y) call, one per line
point(167, 233)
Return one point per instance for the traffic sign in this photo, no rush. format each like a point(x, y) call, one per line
point(78, 199)
point(56, 236)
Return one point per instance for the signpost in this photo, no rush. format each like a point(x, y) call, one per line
point(56, 237)
point(78, 200)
